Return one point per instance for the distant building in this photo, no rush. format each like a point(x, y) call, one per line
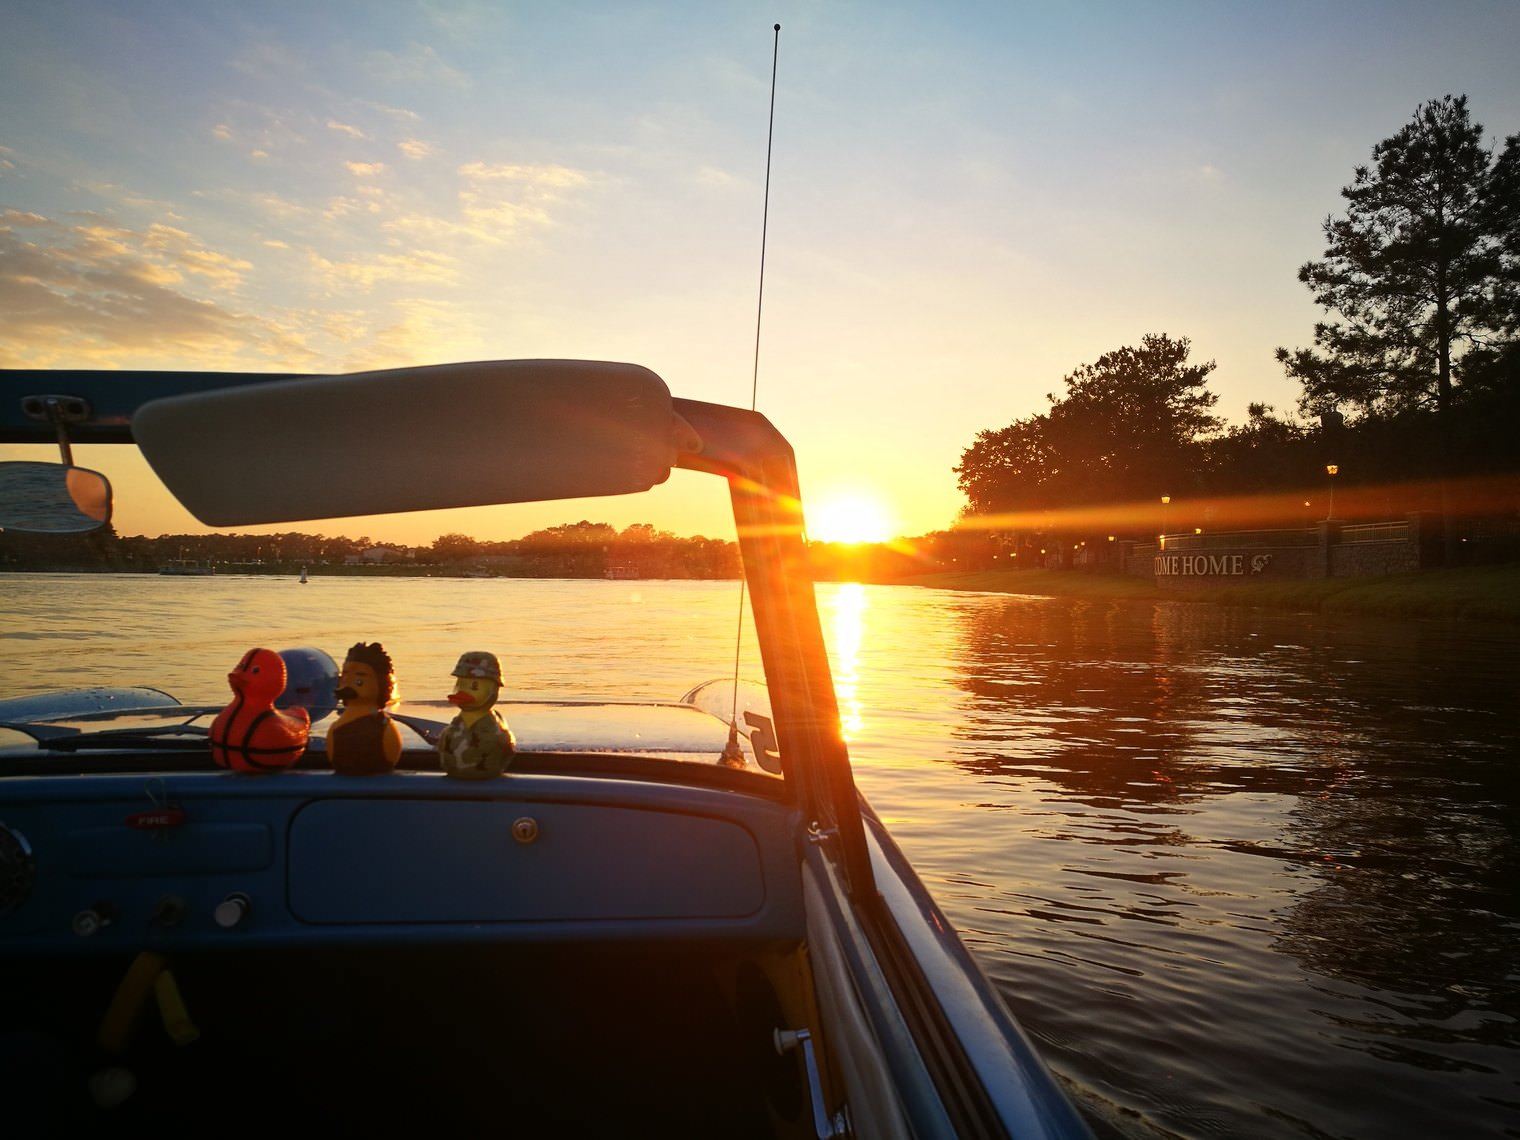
point(378, 555)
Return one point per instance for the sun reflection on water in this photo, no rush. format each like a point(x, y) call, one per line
point(847, 610)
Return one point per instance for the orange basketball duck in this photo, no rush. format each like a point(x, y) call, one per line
point(250, 734)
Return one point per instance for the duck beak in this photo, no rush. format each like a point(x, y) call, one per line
point(463, 700)
point(238, 681)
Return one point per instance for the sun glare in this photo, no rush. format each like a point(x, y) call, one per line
point(849, 516)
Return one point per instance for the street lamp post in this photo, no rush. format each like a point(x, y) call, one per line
point(1331, 471)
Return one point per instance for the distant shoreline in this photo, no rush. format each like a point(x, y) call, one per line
point(1477, 593)
point(313, 572)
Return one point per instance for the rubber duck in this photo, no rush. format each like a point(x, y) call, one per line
point(476, 745)
point(250, 734)
point(364, 740)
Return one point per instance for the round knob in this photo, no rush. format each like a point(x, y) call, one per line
point(109, 1087)
point(169, 912)
point(232, 911)
point(525, 830)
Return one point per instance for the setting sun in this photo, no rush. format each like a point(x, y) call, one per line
point(849, 516)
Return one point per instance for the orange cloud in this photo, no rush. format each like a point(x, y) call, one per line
point(417, 267)
point(101, 293)
point(499, 199)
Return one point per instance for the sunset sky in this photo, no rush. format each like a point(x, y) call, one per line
point(968, 201)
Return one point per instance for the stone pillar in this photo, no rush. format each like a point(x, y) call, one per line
point(1425, 539)
point(1329, 534)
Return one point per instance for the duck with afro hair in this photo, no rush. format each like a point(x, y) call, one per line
point(364, 740)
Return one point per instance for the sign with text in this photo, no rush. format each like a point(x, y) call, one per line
point(1209, 565)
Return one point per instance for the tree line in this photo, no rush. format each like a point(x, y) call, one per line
point(594, 550)
point(1411, 389)
point(572, 550)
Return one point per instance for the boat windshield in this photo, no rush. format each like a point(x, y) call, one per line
point(623, 643)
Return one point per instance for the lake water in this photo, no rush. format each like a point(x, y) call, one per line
point(1239, 873)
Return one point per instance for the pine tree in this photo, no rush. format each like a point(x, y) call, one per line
point(1417, 272)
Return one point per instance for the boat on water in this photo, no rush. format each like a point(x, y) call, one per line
point(187, 568)
point(667, 918)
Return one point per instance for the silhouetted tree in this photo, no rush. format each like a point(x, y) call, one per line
point(1502, 217)
point(1129, 427)
point(455, 547)
point(1266, 453)
point(1010, 468)
point(1419, 272)
point(1130, 424)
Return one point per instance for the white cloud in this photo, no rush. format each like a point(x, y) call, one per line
point(399, 113)
point(416, 148)
point(346, 129)
point(712, 176)
point(222, 131)
point(418, 64)
point(364, 169)
point(270, 60)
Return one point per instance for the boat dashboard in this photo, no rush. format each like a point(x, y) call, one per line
point(114, 863)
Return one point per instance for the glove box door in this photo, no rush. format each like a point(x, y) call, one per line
point(450, 861)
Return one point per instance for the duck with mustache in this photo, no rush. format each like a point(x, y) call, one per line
point(364, 740)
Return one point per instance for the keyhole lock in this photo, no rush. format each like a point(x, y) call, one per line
point(525, 830)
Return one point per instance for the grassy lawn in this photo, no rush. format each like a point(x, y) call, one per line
point(1480, 593)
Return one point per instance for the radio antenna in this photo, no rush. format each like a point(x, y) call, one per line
point(765, 218)
point(732, 753)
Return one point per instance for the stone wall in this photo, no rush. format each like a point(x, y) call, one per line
point(1353, 560)
point(1328, 550)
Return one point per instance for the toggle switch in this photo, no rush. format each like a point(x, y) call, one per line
point(232, 911)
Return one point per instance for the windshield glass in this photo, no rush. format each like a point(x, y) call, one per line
point(626, 619)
